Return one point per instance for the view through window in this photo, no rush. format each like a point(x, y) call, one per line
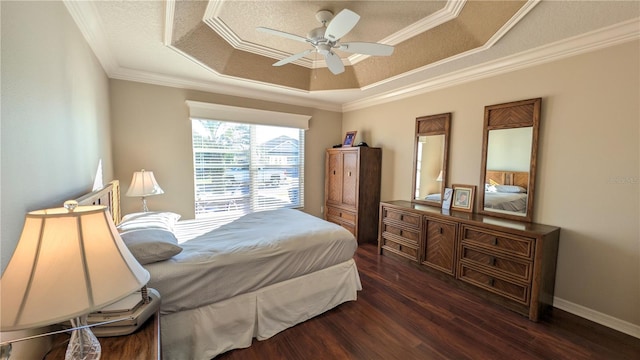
point(242, 168)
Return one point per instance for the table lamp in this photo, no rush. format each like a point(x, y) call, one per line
point(68, 263)
point(144, 184)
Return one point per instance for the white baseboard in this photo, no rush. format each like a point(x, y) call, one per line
point(598, 317)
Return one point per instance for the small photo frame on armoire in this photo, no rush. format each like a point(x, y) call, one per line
point(349, 139)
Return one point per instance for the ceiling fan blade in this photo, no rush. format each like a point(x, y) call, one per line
point(334, 63)
point(367, 48)
point(341, 24)
point(292, 58)
point(281, 33)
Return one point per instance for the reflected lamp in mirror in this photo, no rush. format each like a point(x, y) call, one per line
point(144, 184)
point(510, 144)
point(68, 263)
point(430, 158)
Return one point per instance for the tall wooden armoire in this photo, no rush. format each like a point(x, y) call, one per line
point(352, 190)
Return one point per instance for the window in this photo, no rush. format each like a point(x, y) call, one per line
point(242, 168)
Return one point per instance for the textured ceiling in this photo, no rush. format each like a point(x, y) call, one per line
point(213, 45)
point(218, 36)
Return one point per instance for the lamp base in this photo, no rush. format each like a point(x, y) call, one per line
point(83, 345)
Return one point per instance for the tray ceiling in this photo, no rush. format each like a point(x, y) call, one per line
point(214, 46)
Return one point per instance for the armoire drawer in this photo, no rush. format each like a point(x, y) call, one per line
point(509, 289)
point(498, 241)
point(519, 269)
point(343, 215)
point(405, 219)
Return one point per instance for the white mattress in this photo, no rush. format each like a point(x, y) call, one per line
point(255, 251)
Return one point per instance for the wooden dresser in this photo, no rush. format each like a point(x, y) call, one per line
point(352, 190)
point(509, 262)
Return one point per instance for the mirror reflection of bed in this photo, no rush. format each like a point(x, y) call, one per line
point(430, 158)
point(506, 191)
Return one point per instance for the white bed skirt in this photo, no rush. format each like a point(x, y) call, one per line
point(210, 330)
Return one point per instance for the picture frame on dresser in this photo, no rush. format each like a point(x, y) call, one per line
point(448, 196)
point(463, 197)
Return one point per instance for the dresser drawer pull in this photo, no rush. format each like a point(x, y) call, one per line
point(334, 172)
point(440, 229)
point(491, 281)
point(349, 173)
point(493, 261)
point(494, 241)
point(401, 232)
point(401, 217)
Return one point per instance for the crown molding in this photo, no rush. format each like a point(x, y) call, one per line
point(87, 18)
point(264, 93)
point(169, 14)
point(595, 40)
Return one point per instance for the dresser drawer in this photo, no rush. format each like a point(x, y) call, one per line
point(410, 235)
point(499, 242)
point(509, 289)
point(343, 215)
point(406, 219)
point(399, 246)
point(520, 269)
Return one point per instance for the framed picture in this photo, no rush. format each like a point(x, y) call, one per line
point(446, 202)
point(349, 138)
point(463, 196)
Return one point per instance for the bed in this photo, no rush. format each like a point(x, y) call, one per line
point(252, 278)
point(506, 190)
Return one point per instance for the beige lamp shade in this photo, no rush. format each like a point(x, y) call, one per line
point(143, 183)
point(69, 262)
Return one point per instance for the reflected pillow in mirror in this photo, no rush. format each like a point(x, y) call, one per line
point(510, 189)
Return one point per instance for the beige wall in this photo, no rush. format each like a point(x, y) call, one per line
point(588, 163)
point(152, 130)
point(55, 118)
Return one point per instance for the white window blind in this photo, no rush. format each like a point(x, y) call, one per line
point(242, 168)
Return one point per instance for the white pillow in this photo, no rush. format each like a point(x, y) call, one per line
point(151, 245)
point(148, 220)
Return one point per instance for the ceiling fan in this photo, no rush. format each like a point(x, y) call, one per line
point(326, 39)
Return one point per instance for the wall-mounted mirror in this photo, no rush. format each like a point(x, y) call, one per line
point(431, 151)
point(509, 148)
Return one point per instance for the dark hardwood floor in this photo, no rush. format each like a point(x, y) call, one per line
point(405, 313)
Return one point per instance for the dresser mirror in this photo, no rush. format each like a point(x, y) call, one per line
point(431, 151)
point(509, 147)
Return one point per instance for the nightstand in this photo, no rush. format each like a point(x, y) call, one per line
point(144, 344)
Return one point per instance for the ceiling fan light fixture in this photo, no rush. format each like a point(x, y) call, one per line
point(327, 37)
point(316, 35)
point(324, 49)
